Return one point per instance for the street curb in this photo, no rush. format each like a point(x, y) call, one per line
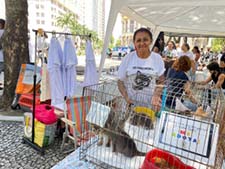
point(12, 118)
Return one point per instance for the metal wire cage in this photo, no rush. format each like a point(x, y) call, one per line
point(187, 132)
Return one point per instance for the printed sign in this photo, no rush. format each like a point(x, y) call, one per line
point(189, 137)
point(98, 114)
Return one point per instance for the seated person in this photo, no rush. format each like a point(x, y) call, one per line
point(216, 75)
point(170, 51)
point(169, 55)
point(222, 63)
point(178, 82)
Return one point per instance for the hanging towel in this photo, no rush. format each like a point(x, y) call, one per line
point(55, 69)
point(91, 75)
point(69, 62)
point(45, 88)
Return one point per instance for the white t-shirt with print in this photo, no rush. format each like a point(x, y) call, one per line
point(188, 53)
point(139, 75)
point(172, 52)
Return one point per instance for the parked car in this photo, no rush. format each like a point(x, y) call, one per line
point(119, 51)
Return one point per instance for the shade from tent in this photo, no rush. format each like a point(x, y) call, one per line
point(202, 17)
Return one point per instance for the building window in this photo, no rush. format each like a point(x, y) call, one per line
point(37, 14)
point(42, 22)
point(42, 6)
point(38, 21)
point(42, 14)
point(37, 6)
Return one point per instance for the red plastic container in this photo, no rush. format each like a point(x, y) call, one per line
point(149, 162)
point(45, 114)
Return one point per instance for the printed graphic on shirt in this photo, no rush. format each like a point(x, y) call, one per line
point(142, 68)
point(141, 81)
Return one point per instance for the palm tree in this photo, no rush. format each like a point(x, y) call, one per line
point(65, 20)
point(15, 47)
point(70, 21)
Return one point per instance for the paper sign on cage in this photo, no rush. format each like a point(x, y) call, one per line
point(98, 114)
point(189, 137)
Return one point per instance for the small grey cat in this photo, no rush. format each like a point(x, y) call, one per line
point(120, 140)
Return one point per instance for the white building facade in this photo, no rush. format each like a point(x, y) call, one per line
point(43, 13)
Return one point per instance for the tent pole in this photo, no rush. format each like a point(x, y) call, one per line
point(26, 140)
point(155, 34)
point(114, 10)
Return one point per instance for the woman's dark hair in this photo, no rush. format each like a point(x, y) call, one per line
point(182, 64)
point(222, 59)
point(197, 49)
point(213, 66)
point(2, 22)
point(187, 46)
point(160, 43)
point(142, 30)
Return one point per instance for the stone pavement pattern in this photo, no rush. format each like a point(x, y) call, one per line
point(15, 155)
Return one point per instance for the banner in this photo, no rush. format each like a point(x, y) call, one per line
point(26, 79)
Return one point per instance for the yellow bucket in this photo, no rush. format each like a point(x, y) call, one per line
point(146, 111)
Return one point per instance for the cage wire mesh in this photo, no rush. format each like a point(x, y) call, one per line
point(187, 132)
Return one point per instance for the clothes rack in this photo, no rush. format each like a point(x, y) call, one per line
point(41, 32)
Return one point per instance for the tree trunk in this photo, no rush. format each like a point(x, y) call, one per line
point(15, 47)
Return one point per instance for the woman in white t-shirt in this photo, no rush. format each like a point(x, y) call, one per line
point(139, 71)
point(185, 52)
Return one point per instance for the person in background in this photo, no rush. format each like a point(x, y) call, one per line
point(141, 72)
point(170, 51)
point(159, 44)
point(185, 52)
point(2, 26)
point(197, 56)
point(196, 53)
point(178, 82)
point(208, 55)
point(156, 49)
point(222, 63)
point(202, 52)
point(216, 75)
point(220, 55)
point(169, 55)
point(178, 47)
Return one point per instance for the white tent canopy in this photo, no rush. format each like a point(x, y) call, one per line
point(201, 17)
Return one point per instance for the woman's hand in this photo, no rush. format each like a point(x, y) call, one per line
point(156, 103)
point(128, 100)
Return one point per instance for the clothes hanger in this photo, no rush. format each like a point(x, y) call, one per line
point(66, 36)
point(53, 34)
